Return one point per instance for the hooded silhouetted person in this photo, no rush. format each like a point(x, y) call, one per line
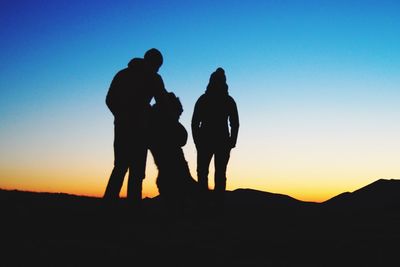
point(212, 134)
point(128, 98)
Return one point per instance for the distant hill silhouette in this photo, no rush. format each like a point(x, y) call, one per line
point(382, 193)
point(248, 200)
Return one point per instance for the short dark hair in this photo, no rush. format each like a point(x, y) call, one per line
point(154, 56)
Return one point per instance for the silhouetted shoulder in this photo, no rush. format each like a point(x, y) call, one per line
point(202, 98)
point(119, 78)
point(199, 105)
point(120, 74)
point(231, 100)
point(232, 104)
point(156, 85)
point(158, 81)
point(136, 64)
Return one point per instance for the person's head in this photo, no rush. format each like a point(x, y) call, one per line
point(217, 83)
point(218, 76)
point(171, 107)
point(153, 59)
point(174, 104)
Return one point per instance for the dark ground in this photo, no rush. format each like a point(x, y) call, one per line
point(256, 229)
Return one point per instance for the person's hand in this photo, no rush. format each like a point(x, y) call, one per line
point(232, 143)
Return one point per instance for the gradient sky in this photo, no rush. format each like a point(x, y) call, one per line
point(316, 84)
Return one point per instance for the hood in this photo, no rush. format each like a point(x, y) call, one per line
point(136, 63)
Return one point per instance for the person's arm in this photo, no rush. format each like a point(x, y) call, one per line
point(159, 90)
point(161, 97)
point(234, 123)
point(113, 101)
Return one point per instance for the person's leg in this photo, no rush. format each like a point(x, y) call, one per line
point(204, 156)
point(120, 165)
point(137, 172)
point(115, 182)
point(220, 162)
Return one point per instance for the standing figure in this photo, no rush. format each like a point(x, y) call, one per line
point(128, 98)
point(211, 132)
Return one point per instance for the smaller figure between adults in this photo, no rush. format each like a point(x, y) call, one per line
point(167, 137)
point(212, 134)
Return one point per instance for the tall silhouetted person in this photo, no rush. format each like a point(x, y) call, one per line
point(128, 98)
point(211, 132)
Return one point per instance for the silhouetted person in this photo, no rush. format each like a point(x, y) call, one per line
point(128, 98)
point(167, 137)
point(211, 133)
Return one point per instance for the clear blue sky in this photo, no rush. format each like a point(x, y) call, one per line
point(316, 82)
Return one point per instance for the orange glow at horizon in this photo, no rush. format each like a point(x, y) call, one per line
point(93, 184)
point(313, 194)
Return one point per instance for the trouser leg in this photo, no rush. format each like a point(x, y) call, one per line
point(121, 164)
point(115, 182)
point(203, 162)
point(220, 163)
point(137, 174)
point(134, 189)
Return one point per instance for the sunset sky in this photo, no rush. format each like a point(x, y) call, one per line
point(317, 84)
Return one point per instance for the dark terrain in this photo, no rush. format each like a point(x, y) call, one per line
point(256, 229)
